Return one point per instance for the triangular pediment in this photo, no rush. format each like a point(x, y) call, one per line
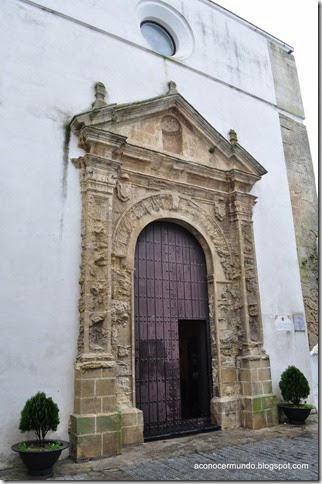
point(168, 124)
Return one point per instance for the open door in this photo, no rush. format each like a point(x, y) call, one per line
point(194, 369)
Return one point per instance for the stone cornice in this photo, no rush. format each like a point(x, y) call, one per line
point(147, 157)
point(89, 136)
point(242, 154)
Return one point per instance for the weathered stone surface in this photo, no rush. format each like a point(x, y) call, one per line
point(259, 411)
point(287, 87)
point(108, 423)
point(86, 406)
point(111, 443)
point(305, 215)
point(87, 447)
point(109, 404)
point(105, 386)
point(132, 435)
point(82, 425)
point(95, 435)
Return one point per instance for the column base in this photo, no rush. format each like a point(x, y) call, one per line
point(259, 411)
point(258, 403)
point(95, 436)
point(132, 426)
point(226, 412)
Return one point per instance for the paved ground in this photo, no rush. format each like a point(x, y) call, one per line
point(239, 454)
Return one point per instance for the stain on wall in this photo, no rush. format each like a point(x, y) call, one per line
point(67, 134)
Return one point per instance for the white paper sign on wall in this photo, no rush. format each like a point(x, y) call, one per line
point(283, 323)
point(299, 322)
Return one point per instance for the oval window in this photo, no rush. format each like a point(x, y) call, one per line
point(158, 38)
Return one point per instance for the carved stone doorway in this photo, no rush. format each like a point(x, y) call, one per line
point(172, 365)
point(159, 159)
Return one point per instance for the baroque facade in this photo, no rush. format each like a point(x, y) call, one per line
point(158, 159)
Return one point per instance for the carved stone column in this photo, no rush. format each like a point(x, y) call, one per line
point(258, 404)
point(225, 406)
point(96, 421)
point(245, 390)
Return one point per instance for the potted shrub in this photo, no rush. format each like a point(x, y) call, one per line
point(40, 415)
point(295, 388)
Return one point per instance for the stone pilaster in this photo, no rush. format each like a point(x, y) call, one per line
point(96, 422)
point(230, 335)
point(305, 215)
point(241, 206)
point(253, 401)
point(97, 181)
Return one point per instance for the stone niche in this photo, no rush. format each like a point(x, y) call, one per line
point(146, 161)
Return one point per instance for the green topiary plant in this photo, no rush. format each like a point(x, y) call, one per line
point(40, 415)
point(294, 386)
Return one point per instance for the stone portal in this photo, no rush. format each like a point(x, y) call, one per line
point(151, 161)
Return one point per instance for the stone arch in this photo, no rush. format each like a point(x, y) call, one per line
point(181, 210)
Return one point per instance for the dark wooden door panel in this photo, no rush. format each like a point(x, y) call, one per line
point(170, 285)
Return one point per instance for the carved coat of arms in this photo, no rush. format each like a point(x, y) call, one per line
point(220, 209)
point(123, 190)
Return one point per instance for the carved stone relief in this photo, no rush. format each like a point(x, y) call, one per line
point(220, 208)
point(121, 193)
point(229, 306)
point(171, 134)
point(251, 282)
point(155, 204)
point(97, 191)
point(121, 284)
point(97, 332)
point(124, 392)
point(124, 188)
point(120, 317)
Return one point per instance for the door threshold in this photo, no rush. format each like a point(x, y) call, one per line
point(183, 432)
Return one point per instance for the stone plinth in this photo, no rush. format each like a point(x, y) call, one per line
point(96, 423)
point(132, 426)
point(226, 412)
point(258, 404)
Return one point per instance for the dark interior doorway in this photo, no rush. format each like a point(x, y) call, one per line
point(194, 371)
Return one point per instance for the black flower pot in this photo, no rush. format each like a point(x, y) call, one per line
point(40, 462)
point(295, 415)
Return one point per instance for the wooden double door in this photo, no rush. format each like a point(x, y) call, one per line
point(172, 356)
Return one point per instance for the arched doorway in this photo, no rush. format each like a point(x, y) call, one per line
point(172, 355)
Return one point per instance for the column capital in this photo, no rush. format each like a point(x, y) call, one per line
point(241, 206)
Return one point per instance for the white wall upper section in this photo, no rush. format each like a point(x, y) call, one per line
point(49, 67)
point(223, 48)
